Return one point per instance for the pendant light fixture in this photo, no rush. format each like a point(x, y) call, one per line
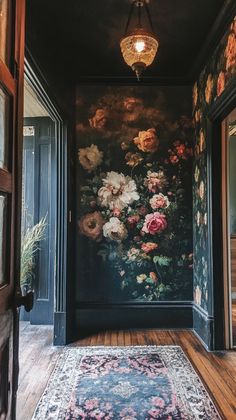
point(139, 45)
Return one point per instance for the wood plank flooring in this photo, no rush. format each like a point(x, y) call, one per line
point(38, 357)
point(234, 321)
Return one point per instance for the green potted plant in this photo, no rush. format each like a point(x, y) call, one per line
point(29, 247)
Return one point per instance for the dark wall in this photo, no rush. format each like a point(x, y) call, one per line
point(217, 75)
point(134, 200)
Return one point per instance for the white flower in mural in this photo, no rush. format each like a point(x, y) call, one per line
point(118, 191)
point(90, 157)
point(115, 230)
point(141, 278)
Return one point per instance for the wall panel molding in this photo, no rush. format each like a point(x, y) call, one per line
point(203, 327)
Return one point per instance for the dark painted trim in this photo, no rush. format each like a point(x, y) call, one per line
point(203, 327)
point(62, 322)
point(60, 329)
point(217, 112)
point(209, 225)
point(216, 32)
point(133, 315)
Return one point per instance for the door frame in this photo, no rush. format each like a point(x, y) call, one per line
point(34, 78)
point(218, 217)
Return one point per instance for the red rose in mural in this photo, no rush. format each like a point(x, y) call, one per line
point(154, 223)
point(149, 247)
point(174, 159)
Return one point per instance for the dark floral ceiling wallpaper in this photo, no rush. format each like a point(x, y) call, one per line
point(134, 193)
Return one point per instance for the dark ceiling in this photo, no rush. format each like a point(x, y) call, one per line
point(80, 38)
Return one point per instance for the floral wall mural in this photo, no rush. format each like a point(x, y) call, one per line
point(218, 73)
point(134, 193)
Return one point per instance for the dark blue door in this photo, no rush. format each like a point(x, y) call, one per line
point(39, 199)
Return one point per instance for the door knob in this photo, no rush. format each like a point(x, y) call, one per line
point(27, 301)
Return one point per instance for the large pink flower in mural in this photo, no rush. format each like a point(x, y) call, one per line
point(118, 191)
point(154, 223)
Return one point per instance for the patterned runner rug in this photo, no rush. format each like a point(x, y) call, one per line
point(128, 383)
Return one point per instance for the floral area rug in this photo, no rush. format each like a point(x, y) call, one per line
point(148, 382)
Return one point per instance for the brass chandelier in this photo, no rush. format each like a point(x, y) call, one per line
point(139, 45)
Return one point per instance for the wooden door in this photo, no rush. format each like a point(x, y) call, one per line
point(11, 121)
point(39, 201)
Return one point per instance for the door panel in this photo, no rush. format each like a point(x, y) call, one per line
point(5, 30)
point(11, 116)
point(39, 196)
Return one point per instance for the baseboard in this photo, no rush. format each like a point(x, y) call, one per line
point(59, 337)
point(203, 327)
point(134, 315)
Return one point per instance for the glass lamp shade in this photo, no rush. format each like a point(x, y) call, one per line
point(139, 49)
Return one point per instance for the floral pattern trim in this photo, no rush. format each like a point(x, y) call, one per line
point(219, 73)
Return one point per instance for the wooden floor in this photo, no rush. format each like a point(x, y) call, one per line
point(234, 321)
point(38, 357)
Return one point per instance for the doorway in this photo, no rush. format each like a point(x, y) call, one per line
point(38, 208)
point(229, 225)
